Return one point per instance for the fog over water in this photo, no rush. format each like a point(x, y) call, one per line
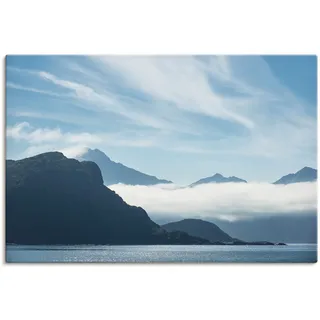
point(228, 201)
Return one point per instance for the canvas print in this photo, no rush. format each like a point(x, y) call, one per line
point(152, 159)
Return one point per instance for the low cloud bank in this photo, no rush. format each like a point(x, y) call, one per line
point(229, 201)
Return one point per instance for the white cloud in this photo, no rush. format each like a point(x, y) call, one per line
point(251, 96)
point(33, 150)
point(24, 131)
point(81, 91)
point(17, 131)
point(74, 151)
point(108, 101)
point(42, 135)
point(224, 201)
point(241, 91)
point(71, 144)
point(179, 80)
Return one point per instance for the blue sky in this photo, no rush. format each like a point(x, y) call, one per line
point(180, 118)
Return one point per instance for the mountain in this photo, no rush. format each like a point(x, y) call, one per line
point(114, 172)
point(277, 228)
point(217, 178)
point(211, 232)
point(51, 199)
point(199, 228)
point(306, 174)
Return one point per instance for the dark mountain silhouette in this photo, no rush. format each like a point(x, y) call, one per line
point(277, 228)
point(217, 178)
point(199, 228)
point(51, 199)
point(211, 232)
point(306, 174)
point(113, 172)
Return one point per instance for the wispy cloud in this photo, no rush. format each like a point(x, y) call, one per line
point(61, 117)
point(230, 201)
point(239, 98)
point(224, 88)
point(24, 131)
point(47, 139)
point(81, 91)
point(180, 81)
point(110, 102)
point(19, 87)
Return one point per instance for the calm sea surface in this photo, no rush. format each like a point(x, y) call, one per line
point(191, 254)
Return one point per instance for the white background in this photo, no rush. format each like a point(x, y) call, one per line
point(216, 291)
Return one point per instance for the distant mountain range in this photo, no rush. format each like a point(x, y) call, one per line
point(306, 174)
point(218, 178)
point(113, 172)
point(51, 199)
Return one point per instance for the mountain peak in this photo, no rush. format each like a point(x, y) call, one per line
point(51, 155)
point(92, 154)
point(218, 178)
point(306, 169)
point(54, 200)
point(306, 174)
point(96, 151)
point(114, 172)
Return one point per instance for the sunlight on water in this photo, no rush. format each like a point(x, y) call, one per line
point(142, 254)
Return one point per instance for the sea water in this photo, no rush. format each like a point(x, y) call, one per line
point(162, 253)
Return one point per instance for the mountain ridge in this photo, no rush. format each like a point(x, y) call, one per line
point(218, 178)
point(306, 174)
point(208, 230)
point(115, 172)
point(51, 199)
